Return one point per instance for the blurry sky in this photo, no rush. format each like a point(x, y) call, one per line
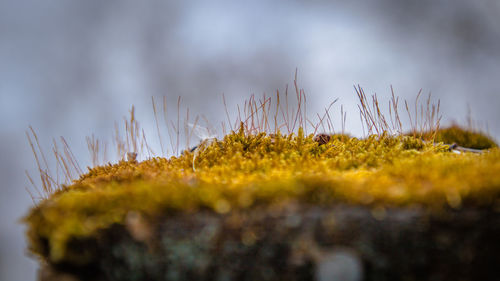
point(72, 68)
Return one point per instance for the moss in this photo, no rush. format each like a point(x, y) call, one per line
point(465, 138)
point(244, 171)
point(469, 138)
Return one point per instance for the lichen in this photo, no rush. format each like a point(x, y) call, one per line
point(244, 170)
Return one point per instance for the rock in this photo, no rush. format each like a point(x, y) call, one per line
point(299, 242)
point(340, 264)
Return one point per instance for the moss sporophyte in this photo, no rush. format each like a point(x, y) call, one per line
point(254, 166)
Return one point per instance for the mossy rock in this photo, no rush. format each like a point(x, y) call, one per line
point(257, 207)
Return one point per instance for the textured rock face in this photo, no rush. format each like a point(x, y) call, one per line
point(292, 242)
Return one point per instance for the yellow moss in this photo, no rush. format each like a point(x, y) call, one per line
point(244, 171)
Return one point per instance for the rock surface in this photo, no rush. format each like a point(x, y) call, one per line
point(292, 242)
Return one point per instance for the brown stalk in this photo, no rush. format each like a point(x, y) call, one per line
point(39, 148)
point(35, 187)
point(366, 112)
point(46, 179)
point(276, 127)
point(192, 130)
point(157, 125)
point(93, 146)
point(165, 119)
point(71, 157)
point(227, 113)
point(145, 143)
point(186, 128)
point(61, 162)
point(343, 116)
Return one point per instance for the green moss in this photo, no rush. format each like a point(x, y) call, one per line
point(463, 137)
point(243, 171)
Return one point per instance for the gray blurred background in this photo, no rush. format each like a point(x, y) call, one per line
point(72, 68)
